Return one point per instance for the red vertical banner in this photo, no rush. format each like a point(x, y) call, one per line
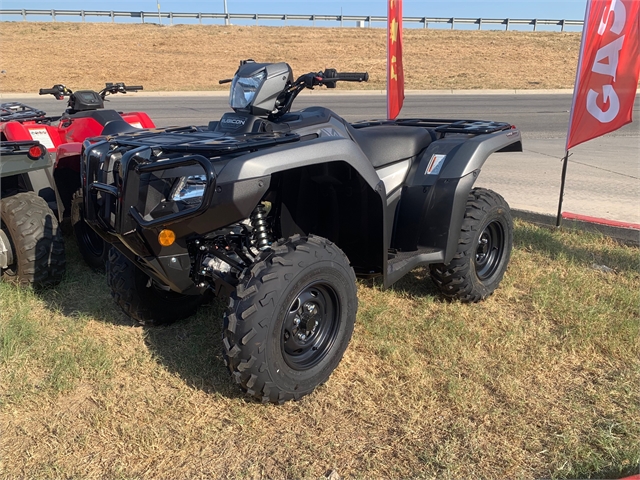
point(608, 70)
point(395, 72)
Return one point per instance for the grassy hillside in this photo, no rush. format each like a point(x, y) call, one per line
point(195, 57)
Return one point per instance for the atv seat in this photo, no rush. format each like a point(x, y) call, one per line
point(118, 126)
point(385, 144)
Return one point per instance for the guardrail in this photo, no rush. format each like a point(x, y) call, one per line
point(359, 20)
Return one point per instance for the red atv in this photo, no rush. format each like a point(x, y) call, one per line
point(63, 136)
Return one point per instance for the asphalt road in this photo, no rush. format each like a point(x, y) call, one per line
point(603, 178)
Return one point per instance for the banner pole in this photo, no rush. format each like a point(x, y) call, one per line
point(565, 161)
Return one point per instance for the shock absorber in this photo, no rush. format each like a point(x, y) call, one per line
point(261, 234)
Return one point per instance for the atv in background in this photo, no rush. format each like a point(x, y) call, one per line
point(31, 244)
point(283, 210)
point(63, 135)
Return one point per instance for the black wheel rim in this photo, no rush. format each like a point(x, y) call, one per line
point(310, 326)
point(490, 250)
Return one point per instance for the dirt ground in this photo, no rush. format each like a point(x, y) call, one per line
point(195, 57)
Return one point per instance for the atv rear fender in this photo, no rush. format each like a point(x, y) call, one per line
point(20, 173)
point(433, 201)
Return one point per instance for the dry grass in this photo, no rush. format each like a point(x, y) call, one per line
point(538, 381)
point(194, 57)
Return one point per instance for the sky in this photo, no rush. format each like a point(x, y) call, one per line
point(526, 9)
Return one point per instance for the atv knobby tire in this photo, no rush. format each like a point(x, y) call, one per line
point(290, 319)
point(141, 298)
point(36, 241)
point(483, 250)
point(94, 250)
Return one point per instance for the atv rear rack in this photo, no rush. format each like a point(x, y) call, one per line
point(13, 155)
point(19, 112)
point(470, 127)
point(20, 146)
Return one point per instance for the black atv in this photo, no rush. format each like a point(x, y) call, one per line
point(283, 210)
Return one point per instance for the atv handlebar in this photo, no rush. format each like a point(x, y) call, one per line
point(58, 91)
point(48, 91)
point(120, 87)
point(354, 77)
point(331, 74)
point(329, 78)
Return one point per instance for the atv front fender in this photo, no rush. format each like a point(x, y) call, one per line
point(298, 155)
point(68, 156)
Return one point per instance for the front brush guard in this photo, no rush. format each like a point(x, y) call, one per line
point(118, 182)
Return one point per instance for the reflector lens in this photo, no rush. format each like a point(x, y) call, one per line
point(166, 238)
point(36, 152)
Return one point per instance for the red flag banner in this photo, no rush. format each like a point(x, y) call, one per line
point(395, 73)
point(608, 70)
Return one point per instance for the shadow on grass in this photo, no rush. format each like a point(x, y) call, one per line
point(613, 473)
point(191, 348)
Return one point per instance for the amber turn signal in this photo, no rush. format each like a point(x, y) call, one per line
point(166, 238)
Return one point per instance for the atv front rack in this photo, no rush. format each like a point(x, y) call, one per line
point(19, 112)
point(470, 127)
point(204, 142)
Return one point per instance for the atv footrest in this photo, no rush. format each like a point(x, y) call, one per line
point(405, 261)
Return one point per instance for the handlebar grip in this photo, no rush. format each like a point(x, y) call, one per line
point(49, 91)
point(133, 88)
point(352, 77)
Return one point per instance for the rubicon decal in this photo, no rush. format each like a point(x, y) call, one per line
point(234, 121)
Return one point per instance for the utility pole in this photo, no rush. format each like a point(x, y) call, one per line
point(159, 17)
point(226, 14)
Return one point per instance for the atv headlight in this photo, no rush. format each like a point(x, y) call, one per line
point(189, 189)
point(243, 89)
